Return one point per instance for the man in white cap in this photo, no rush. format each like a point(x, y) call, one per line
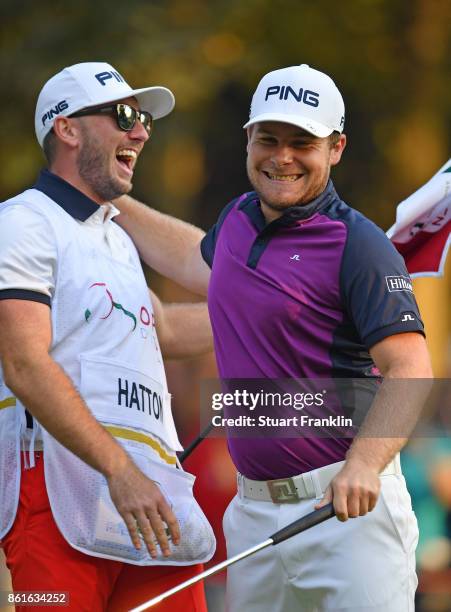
point(300, 285)
point(90, 491)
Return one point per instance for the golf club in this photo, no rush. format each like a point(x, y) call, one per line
point(298, 526)
point(195, 443)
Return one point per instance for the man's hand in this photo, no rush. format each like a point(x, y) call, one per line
point(49, 394)
point(354, 491)
point(401, 359)
point(144, 508)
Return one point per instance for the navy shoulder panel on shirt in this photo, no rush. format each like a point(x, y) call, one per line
point(208, 243)
point(375, 286)
point(25, 294)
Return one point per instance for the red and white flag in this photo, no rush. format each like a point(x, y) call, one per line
point(423, 225)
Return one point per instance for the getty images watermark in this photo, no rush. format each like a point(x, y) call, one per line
point(251, 401)
point(324, 408)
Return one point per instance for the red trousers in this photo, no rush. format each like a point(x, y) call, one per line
point(40, 559)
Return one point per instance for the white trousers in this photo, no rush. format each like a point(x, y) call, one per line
point(363, 564)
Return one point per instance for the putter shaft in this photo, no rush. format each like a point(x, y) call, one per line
point(302, 524)
point(210, 572)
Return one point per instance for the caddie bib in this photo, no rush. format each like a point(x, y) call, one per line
point(104, 337)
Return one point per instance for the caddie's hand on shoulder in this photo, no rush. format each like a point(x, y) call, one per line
point(144, 509)
point(354, 490)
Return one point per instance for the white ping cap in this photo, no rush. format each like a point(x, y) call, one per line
point(301, 96)
point(92, 84)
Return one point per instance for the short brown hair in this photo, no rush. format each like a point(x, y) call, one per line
point(49, 147)
point(334, 138)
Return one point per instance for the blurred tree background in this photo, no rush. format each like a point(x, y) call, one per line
point(389, 58)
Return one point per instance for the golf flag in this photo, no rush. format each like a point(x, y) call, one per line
point(423, 225)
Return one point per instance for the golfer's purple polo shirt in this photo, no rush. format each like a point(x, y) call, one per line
point(305, 296)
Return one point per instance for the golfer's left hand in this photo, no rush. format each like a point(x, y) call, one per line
point(353, 491)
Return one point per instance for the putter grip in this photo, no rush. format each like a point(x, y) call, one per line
point(307, 521)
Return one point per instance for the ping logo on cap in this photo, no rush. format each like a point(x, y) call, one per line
point(307, 96)
point(104, 76)
point(56, 110)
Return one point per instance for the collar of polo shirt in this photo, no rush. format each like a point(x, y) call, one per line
point(251, 207)
point(73, 201)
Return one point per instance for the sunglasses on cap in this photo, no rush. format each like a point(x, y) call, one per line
point(124, 114)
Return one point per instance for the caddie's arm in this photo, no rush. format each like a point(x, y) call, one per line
point(166, 244)
point(47, 392)
point(386, 428)
point(183, 329)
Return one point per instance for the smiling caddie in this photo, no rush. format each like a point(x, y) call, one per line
point(105, 158)
point(90, 492)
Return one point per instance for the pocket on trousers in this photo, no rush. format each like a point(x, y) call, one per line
point(226, 516)
point(396, 501)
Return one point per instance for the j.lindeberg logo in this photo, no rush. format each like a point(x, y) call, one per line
point(295, 257)
point(398, 283)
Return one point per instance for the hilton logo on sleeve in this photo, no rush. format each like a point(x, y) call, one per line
point(398, 283)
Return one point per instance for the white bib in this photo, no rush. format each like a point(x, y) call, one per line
point(104, 337)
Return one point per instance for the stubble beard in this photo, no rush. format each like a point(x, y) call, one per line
point(280, 206)
point(93, 167)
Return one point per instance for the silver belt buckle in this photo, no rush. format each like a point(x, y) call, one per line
point(283, 490)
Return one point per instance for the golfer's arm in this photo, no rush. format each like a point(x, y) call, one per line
point(398, 404)
point(168, 245)
point(183, 330)
point(45, 389)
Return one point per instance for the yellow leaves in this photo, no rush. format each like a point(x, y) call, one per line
point(183, 168)
point(223, 49)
